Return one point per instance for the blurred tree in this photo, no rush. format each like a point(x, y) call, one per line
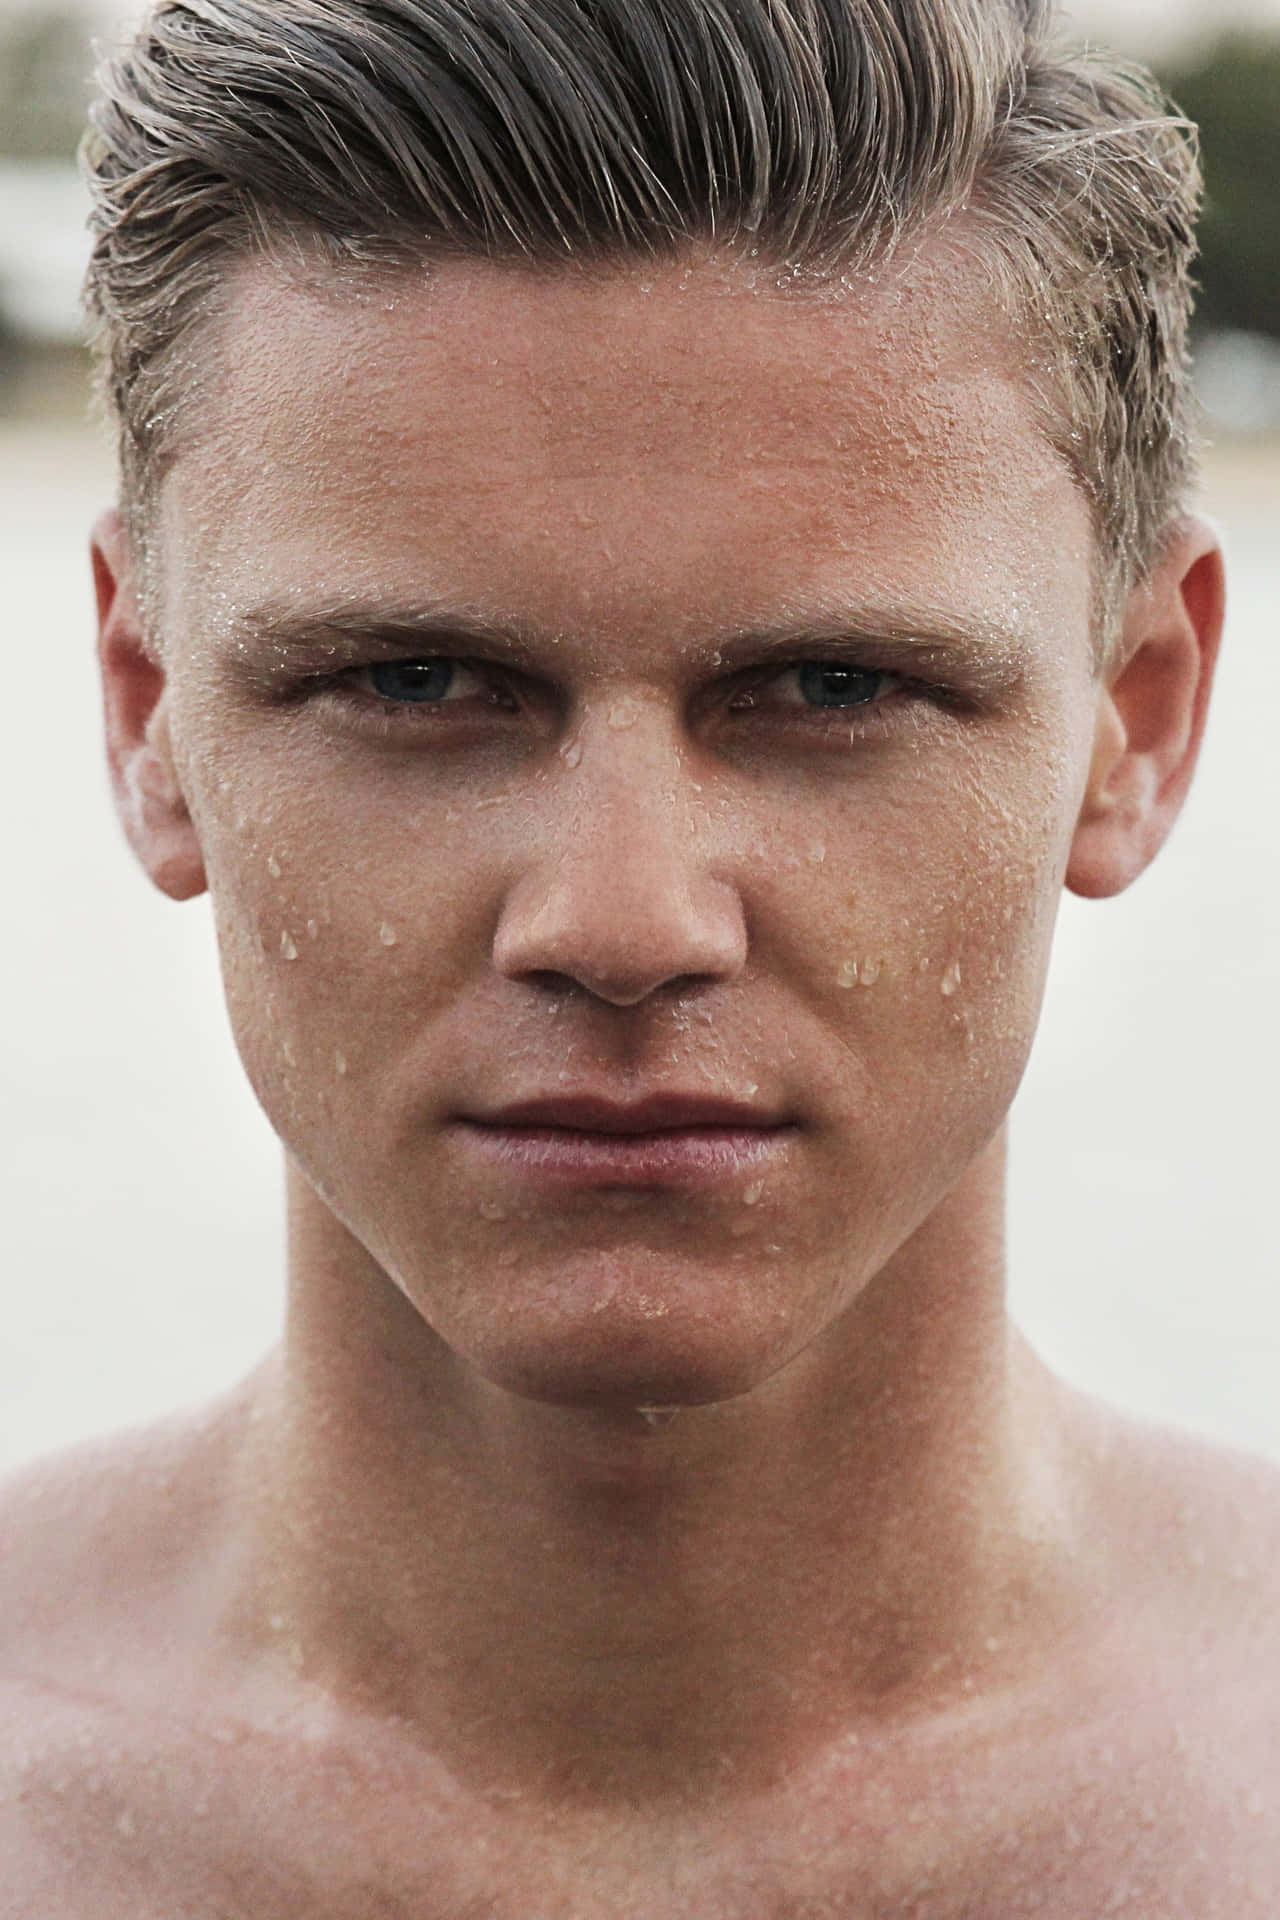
point(1232, 91)
point(45, 59)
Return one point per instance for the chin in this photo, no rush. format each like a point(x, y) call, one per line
point(626, 1359)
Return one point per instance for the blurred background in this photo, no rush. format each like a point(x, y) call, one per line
point(140, 1245)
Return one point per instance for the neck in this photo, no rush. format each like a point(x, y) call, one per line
point(865, 1529)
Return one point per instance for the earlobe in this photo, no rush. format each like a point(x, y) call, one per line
point(148, 794)
point(1151, 713)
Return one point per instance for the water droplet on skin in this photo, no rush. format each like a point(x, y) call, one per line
point(572, 754)
point(126, 1825)
point(624, 715)
point(277, 1623)
point(658, 1416)
point(490, 1210)
point(313, 929)
point(951, 979)
point(273, 867)
point(753, 1194)
point(288, 951)
point(871, 971)
point(387, 934)
point(290, 1058)
point(848, 974)
point(340, 1062)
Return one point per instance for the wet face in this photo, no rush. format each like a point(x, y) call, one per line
point(634, 728)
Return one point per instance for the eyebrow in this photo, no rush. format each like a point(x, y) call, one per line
point(285, 637)
point(319, 634)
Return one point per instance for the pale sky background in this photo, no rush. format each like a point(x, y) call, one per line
point(1149, 26)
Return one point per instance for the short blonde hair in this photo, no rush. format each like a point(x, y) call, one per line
point(817, 132)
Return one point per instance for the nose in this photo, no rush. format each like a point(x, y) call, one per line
point(621, 897)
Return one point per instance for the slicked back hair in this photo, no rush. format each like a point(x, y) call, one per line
point(815, 134)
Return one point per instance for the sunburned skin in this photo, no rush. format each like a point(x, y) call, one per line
point(635, 729)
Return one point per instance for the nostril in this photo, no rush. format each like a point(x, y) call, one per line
point(620, 916)
point(619, 991)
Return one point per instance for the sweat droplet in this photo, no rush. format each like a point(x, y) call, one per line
point(951, 979)
point(126, 1825)
point(848, 974)
point(490, 1210)
point(572, 754)
point(339, 1062)
point(387, 934)
point(625, 714)
point(657, 1416)
point(288, 951)
point(273, 867)
point(753, 1194)
point(871, 972)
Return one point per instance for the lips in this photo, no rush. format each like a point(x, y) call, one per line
point(663, 1139)
point(656, 1113)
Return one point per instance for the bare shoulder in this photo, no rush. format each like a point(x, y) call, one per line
point(108, 1623)
point(109, 1578)
point(1185, 1537)
point(100, 1535)
point(1197, 1522)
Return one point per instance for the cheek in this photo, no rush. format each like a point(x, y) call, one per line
point(927, 934)
point(337, 945)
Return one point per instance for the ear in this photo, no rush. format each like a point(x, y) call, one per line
point(1151, 714)
point(148, 795)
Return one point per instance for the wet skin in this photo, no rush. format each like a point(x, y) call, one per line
point(624, 854)
point(635, 730)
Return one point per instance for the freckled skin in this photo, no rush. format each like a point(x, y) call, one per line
point(667, 1548)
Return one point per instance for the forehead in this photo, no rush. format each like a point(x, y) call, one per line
point(614, 445)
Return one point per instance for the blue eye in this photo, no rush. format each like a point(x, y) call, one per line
point(413, 681)
point(828, 686)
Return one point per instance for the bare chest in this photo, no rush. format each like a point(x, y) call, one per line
point(254, 1834)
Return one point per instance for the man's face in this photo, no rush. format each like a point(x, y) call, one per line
point(650, 686)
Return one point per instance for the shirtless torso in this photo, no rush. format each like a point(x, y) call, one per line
point(1131, 1768)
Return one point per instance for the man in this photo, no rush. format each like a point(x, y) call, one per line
point(653, 541)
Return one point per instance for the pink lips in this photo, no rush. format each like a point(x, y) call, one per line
point(666, 1139)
